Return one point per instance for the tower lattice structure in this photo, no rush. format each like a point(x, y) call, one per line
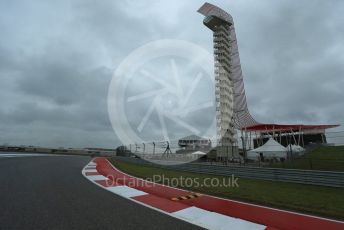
point(231, 106)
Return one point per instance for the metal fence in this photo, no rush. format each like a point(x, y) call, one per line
point(323, 178)
point(166, 148)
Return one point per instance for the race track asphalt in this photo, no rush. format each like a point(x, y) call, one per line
point(49, 192)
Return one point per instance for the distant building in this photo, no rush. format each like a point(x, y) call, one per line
point(301, 135)
point(194, 142)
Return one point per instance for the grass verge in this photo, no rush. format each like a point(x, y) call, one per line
point(318, 200)
point(328, 158)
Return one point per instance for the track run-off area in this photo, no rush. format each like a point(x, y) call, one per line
point(43, 191)
point(203, 210)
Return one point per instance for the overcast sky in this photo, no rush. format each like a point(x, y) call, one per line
point(57, 59)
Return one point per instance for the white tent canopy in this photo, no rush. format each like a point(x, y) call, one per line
point(199, 153)
point(270, 149)
point(295, 148)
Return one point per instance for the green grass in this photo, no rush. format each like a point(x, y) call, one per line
point(328, 153)
point(318, 200)
point(328, 158)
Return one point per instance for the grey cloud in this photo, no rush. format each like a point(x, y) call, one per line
point(291, 69)
point(57, 60)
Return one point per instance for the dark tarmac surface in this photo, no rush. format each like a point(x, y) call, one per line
point(49, 192)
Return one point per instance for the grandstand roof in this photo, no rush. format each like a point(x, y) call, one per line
point(279, 127)
point(192, 138)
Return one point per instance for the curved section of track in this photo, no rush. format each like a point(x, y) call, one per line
point(50, 193)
